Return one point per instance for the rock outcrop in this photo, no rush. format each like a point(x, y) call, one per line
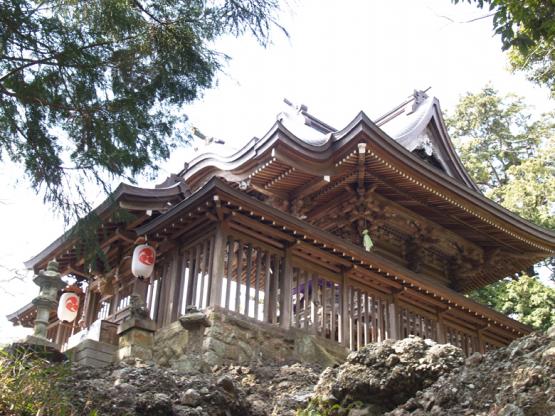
point(518, 380)
point(411, 377)
point(141, 389)
point(381, 376)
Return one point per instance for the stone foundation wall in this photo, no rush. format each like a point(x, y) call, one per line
point(231, 338)
point(170, 344)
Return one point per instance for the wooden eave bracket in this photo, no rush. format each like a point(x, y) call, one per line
point(361, 166)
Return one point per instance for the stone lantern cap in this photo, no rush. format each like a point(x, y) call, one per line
point(194, 320)
point(50, 277)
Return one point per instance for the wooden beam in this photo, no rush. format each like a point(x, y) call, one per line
point(286, 286)
point(144, 205)
point(78, 271)
point(125, 236)
point(271, 193)
point(370, 286)
point(323, 209)
point(337, 259)
point(259, 226)
point(194, 224)
point(423, 298)
point(378, 277)
point(308, 188)
point(261, 240)
point(361, 166)
point(305, 262)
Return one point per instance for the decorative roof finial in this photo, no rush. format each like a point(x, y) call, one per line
point(300, 108)
point(207, 140)
point(419, 97)
point(301, 114)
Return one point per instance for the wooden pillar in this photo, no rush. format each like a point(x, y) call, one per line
point(441, 335)
point(481, 347)
point(217, 267)
point(59, 334)
point(285, 289)
point(344, 310)
point(91, 307)
point(314, 303)
point(352, 327)
point(173, 282)
point(393, 315)
point(164, 302)
point(84, 311)
point(272, 288)
point(115, 297)
point(268, 284)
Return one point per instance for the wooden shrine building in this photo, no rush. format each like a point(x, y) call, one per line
point(274, 234)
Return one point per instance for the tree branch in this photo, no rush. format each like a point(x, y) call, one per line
point(465, 21)
point(58, 55)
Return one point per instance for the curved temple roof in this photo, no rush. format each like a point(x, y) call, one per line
point(125, 196)
point(407, 149)
point(420, 124)
point(416, 124)
point(392, 139)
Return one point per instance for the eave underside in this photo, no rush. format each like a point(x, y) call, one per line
point(291, 178)
point(124, 210)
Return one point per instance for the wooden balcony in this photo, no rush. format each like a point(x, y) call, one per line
point(283, 287)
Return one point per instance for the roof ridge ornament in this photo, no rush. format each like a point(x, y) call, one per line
point(301, 112)
point(300, 108)
point(409, 106)
point(207, 140)
point(419, 96)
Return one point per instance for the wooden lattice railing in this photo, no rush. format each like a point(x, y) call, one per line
point(267, 281)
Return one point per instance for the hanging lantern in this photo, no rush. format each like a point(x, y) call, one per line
point(142, 264)
point(68, 306)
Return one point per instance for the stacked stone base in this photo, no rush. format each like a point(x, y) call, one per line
point(92, 353)
point(136, 338)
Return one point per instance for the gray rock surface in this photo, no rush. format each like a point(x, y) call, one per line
point(386, 374)
point(135, 388)
point(411, 377)
point(517, 380)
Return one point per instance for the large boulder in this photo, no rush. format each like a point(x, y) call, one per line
point(517, 380)
point(384, 375)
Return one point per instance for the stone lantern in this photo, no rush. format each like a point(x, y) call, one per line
point(49, 282)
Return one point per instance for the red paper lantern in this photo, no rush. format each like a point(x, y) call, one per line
point(144, 257)
point(68, 306)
